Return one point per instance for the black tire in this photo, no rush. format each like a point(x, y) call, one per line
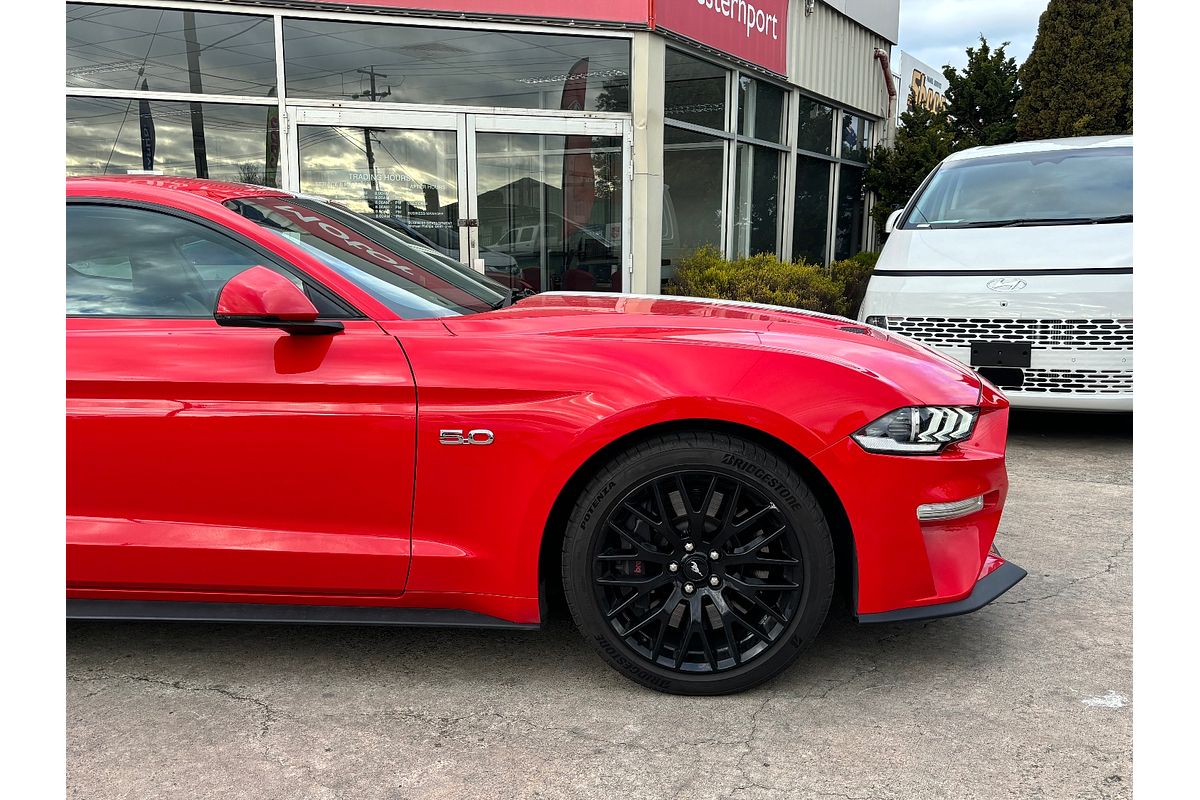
point(735, 609)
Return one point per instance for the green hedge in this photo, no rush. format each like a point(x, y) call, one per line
point(765, 279)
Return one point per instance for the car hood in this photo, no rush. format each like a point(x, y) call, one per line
point(911, 367)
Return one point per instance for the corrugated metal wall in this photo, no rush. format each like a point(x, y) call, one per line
point(833, 56)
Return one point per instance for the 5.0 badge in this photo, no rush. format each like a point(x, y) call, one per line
point(477, 436)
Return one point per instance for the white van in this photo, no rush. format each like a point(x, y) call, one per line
point(1017, 259)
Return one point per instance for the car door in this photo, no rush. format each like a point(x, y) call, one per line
point(209, 461)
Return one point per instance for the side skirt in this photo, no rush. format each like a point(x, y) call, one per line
point(170, 611)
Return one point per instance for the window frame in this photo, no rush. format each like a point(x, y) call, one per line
point(270, 259)
point(288, 107)
point(835, 159)
point(732, 139)
point(792, 153)
point(361, 16)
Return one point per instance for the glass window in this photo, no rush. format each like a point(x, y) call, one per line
point(693, 165)
point(109, 136)
point(550, 211)
point(407, 64)
point(130, 262)
point(761, 109)
point(404, 177)
point(1080, 185)
point(414, 282)
point(163, 50)
point(695, 91)
point(756, 222)
point(815, 131)
point(850, 213)
point(856, 137)
point(811, 221)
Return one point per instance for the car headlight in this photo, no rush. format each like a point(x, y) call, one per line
point(918, 430)
point(878, 322)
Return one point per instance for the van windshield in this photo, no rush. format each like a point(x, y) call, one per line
point(1073, 187)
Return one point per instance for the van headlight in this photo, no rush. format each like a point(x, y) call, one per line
point(918, 430)
point(878, 322)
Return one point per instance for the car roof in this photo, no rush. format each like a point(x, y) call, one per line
point(220, 191)
point(1042, 146)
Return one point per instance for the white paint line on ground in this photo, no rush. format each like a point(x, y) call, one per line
point(1109, 700)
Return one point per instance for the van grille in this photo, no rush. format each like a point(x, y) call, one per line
point(1043, 334)
point(1075, 381)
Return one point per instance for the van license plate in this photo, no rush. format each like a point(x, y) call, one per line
point(1000, 354)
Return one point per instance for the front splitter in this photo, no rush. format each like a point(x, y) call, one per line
point(987, 589)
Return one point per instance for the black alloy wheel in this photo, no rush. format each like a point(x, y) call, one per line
point(698, 564)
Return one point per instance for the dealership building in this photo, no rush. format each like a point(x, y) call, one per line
point(583, 145)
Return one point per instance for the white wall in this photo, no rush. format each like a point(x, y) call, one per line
point(879, 16)
point(833, 56)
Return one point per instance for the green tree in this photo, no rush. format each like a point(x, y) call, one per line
point(1079, 77)
point(981, 101)
point(922, 140)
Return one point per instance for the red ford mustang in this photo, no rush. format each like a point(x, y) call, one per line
point(278, 410)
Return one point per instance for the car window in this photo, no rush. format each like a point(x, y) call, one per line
point(135, 262)
point(412, 279)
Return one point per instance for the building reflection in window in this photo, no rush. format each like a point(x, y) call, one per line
point(693, 164)
point(112, 136)
point(553, 205)
point(851, 208)
point(167, 50)
point(471, 67)
point(756, 224)
point(811, 221)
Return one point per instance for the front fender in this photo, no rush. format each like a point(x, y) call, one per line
point(554, 402)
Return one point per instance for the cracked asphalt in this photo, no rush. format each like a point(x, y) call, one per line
point(1027, 698)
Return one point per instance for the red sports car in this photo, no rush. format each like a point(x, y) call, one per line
point(279, 411)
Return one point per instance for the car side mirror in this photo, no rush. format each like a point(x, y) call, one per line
point(892, 219)
point(261, 298)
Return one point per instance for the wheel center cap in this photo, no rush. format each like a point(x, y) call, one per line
point(694, 568)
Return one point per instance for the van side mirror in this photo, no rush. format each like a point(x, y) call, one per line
point(892, 220)
point(261, 298)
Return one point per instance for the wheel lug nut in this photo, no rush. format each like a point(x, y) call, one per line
point(688, 588)
point(673, 567)
point(689, 547)
point(714, 555)
point(714, 580)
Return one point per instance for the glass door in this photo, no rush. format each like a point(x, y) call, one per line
point(403, 169)
point(538, 203)
point(550, 202)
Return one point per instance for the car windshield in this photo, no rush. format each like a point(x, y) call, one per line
point(411, 279)
point(1072, 187)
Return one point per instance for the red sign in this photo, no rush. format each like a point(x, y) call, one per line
point(752, 30)
point(635, 11)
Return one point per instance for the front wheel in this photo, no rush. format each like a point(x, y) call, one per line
point(698, 563)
